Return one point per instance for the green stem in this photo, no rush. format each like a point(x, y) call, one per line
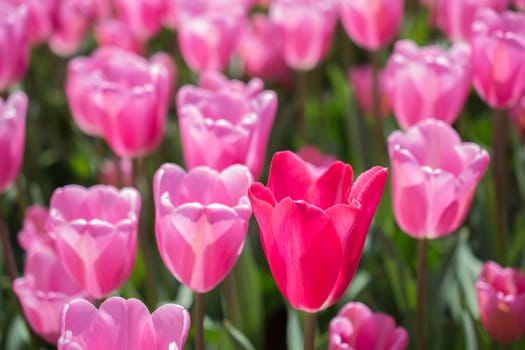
point(7, 249)
point(378, 121)
point(199, 307)
point(421, 294)
point(231, 299)
point(309, 330)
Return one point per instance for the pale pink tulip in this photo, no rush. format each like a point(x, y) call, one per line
point(225, 123)
point(501, 299)
point(434, 176)
point(95, 233)
point(141, 17)
point(357, 328)
point(306, 28)
point(34, 229)
point(123, 324)
point(372, 23)
point(201, 221)
point(12, 137)
point(40, 14)
point(361, 78)
point(498, 53)
point(428, 82)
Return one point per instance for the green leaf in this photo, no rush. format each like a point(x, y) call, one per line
point(294, 331)
point(240, 341)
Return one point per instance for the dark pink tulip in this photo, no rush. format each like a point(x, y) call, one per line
point(357, 328)
point(201, 221)
point(12, 137)
point(313, 229)
point(34, 229)
point(361, 78)
point(501, 300)
point(434, 176)
point(225, 122)
point(121, 96)
point(113, 32)
point(123, 324)
point(142, 17)
point(14, 43)
point(371, 24)
point(306, 28)
point(428, 82)
point(44, 290)
point(208, 32)
point(95, 233)
point(498, 50)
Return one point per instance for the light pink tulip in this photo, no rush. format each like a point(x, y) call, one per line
point(44, 290)
point(427, 82)
point(208, 32)
point(361, 78)
point(372, 23)
point(519, 4)
point(357, 328)
point(14, 43)
point(260, 51)
point(95, 233)
point(12, 137)
point(225, 123)
point(498, 53)
point(113, 32)
point(306, 28)
point(434, 176)
point(142, 17)
point(316, 161)
point(501, 299)
point(34, 229)
point(40, 14)
point(201, 221)
point(121, 96)
point(123, 324)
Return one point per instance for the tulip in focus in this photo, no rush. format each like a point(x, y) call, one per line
point(372, 24)
point(361, 78)
point(225, 122)
point(501, 300)
point(12, 137)
point(95, 233)
point(306, 28)
point(123, 324)
point(122, 97)
point(201, 221)
point(498, 53)
point(356, 327)
point(313, 229)
point(428, 82)
point(434, 176)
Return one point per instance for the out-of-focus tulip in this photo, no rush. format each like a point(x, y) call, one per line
point(501, 300)
point(117, 172)
point(123, 324)
point(313, 229)
point(225, 123)
point(260, 51)
point(12, 137)
point(372, 24)
point(34, 229)
point(121, 96)
point(498, 53)
point(142, 17)
point(14, 43)
point(209, 31)
point(44, 290)
point(428, 82)
point(201, 221)
point(517, 114)
point(114, 32)
point(356, 327)
point(40, 14)
point(455, 17)
point(361, 78)
point(95, 234)
point(306, 28)
point(316, 161)
point(434, 176)
point(519, 4)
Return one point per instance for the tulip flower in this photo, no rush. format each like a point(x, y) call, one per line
point(519, 4)
point(122, 97)
point(225, 124)
point(142, 17)
point(356, 327)
point(361, 77)
point(95, 233)
point(434, 176)
point(123, 324)
point(306, 28)
point(428, 82)
point(12, 137)
point(114, 32)
point(117, 172)
point(40, 14)
point(371, 24)
point(208, 32)
point(316, 161)
point(313, 229)
point(201, 221)
point(14, 39)
point(498, 51)
point(501, 300)
point(34, 229)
